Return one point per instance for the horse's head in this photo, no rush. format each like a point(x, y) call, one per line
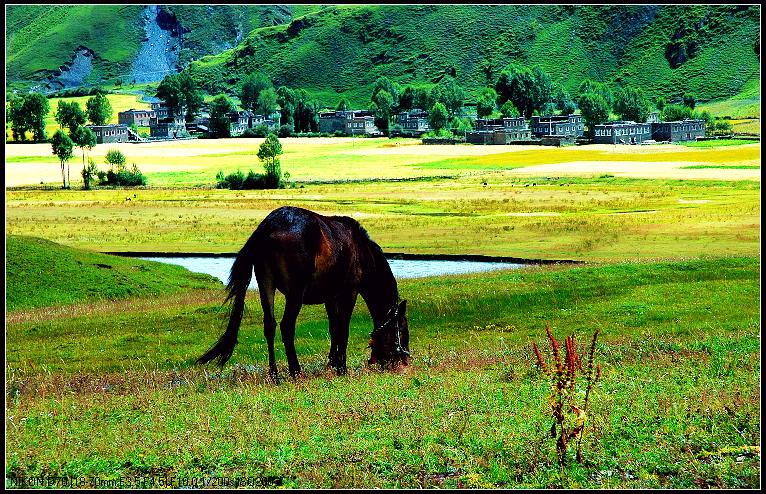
point(389, 342)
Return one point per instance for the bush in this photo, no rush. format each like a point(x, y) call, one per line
point(285, 130)
point(239, 181)
point(122, 177)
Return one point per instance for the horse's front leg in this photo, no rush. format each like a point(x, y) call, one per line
point(293, 304)
point(345, 309)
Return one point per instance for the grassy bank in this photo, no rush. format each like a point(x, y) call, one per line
point(107, 391)
point(40, 273)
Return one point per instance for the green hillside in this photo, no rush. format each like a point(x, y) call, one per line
point(666, 50)
point(41, 273)
point(41, 38)
point(711, 50)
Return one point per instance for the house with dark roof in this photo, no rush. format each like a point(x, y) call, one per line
point(685, 130)
point(558, 125)
point(622, 132)
point(499, 131)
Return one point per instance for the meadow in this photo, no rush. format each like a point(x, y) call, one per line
point(100, 380)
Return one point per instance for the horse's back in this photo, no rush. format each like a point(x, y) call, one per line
point(305, 250)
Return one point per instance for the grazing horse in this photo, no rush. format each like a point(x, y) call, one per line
point(315, 259)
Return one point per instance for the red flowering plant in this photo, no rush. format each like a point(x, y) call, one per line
point(568, 418)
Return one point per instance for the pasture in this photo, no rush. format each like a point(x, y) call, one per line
point(101, 384)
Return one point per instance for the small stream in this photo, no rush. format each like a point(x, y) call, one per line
point(402, 268)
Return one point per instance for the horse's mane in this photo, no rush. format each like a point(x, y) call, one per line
point(359, 230)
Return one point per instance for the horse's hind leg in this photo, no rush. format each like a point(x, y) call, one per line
point(293, 304)
point(266, 291)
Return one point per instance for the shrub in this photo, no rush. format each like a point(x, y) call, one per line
point(285, 130)
point(240, 181)
point(122, 177)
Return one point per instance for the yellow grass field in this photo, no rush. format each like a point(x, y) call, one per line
point(196, 162)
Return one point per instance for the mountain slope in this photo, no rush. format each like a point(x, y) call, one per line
point(711, 50)
point(666, 50)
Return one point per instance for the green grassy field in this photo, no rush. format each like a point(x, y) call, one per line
point(100, 380)
point(106, 390)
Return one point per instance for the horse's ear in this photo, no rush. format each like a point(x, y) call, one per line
point(402, 307)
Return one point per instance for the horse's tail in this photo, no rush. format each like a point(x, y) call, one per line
point(239, 279)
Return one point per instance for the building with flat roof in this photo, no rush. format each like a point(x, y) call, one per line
point(559, 125)
point(622, 133)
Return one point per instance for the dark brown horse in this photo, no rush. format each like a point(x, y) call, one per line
point(315, 259)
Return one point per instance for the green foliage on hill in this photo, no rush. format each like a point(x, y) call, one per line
point(667, 50)
point(41, 38)
point(41, 273)
point(344, 49)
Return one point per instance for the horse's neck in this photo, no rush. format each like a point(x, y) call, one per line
point(379, 289)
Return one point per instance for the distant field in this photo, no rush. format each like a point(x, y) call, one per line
point(607, 218)
point(196, 162)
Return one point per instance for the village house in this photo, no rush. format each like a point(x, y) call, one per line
point(350, 122)
point(168, 127)
point(414, 122)
point(557, 125)
point(272, 121)
point(161, 110)
point(240, 121)
point(622, 133)
point(139, 118)
point(106, 134)
point(499, 131)
point(686, 130)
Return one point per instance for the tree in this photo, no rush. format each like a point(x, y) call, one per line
point(62, 147)
point(631, 104)
point(564, 102)
point(594, 108)
point(269, 153)
point(286, 102)
point(343, 105)
point(169, 91)
point(70, 116)
point(19, 121)
point(84, 138)
point(220, 123)
point(437, 117)
point(115, 159)
point(34, 110)
point(542, 91)
point(181, 94)
point(267, 102)
point(660, 103)
point(191, 98)
point(392, 88)
point(450, 94)
point(589, 86)
point(383, 104)
point(674, 113)
point(690, 100)
point(508, 110)
point(516, 84)
point(99, 109)
point(485, 105)
point(251, 89)
point(306, 114)
point(89, 172)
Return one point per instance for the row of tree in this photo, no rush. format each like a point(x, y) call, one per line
point(27, 113)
